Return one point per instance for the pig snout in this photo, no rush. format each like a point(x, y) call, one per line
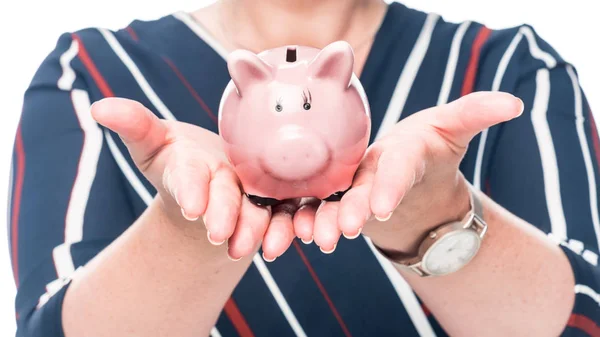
point(295, 154)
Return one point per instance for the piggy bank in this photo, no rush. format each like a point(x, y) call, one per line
point(295, 122)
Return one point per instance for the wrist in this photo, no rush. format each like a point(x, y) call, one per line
point(189, 236)
point(406, 231)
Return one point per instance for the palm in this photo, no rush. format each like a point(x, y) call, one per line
point(194, 179)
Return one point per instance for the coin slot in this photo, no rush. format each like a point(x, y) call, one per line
point(291, 55)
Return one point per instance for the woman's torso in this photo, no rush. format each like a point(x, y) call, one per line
point(175, 68)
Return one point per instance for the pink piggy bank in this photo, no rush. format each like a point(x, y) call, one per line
point(295, 121)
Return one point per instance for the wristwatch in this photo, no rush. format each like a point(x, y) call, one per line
point(448, 247)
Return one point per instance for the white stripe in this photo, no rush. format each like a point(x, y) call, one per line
point(86, 171)
point(258, 262)
point(137, 74)
point(505, 60)
point(392, 115)
point(452, 61)
point(508, 54)
point(547, 154)
point(544, 137)
point(285, 308)
point(133, 179)
point(583, 289)
point(406, 79)
point(405, 293)
point(202, 33)
point(576, 247)
point(65, 82)
point(51, 289)
point(590, 257)
point(63, 262)
point(535, 50)
point(214, 332)
point(587, 158)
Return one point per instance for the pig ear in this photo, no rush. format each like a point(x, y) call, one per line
point(246, 68)
point(335, 61)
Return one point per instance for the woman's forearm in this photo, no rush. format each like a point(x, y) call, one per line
point(156, 279)
point(519, 284)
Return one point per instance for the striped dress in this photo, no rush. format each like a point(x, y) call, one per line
point(74, 187)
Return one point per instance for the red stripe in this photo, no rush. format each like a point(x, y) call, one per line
point(470, 75)
point(231, 309)
point(488, 187)
point(425, 309)
point(239, 322)
point(16, 203)
point(313, 274)
point(183, 80)
point(132, 33)
point(191, 90)
point(91, 67)
point(585, 324)
point(595, 139)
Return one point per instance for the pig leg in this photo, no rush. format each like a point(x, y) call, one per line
point(260, 201)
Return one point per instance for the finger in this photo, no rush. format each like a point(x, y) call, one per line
point(304, 220)
point(280, 232)
point(398, 170)
point(188, 185)
point(467, 116)
point(327, 232)
point(249, 231)
point(355, 207)
point(142, 132)
point(354, 211)
point(224, 202)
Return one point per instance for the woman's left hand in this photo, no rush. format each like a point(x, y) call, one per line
point(409, 180)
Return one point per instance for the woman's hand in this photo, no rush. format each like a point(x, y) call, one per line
point(409, 179)
point(196, 185)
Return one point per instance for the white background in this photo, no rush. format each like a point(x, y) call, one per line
point(29, 30)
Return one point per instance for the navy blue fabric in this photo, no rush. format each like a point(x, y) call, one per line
point(188, 76)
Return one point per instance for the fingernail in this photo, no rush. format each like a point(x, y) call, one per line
point(307, 242)
point(175, 197)
point(204, 219)
point(264, 258)
point(353, 236)
point(384, 219)
point(213, 242)
point(187, 217)
point(232, 259)
point(330, 251)
point(92, 105)
point(522, 106)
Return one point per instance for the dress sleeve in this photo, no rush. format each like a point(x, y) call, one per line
point(68, 199)
point(544, 165)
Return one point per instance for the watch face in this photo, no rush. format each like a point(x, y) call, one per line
point(451, 252)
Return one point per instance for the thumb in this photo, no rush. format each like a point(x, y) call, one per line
point(143, 133)
point(464, 118)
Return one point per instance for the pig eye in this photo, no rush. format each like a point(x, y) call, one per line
point(307, 98)
point(278, 107)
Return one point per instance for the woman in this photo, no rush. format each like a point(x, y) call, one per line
point(119, 212)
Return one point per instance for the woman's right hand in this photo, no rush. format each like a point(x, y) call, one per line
point(196, 184)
